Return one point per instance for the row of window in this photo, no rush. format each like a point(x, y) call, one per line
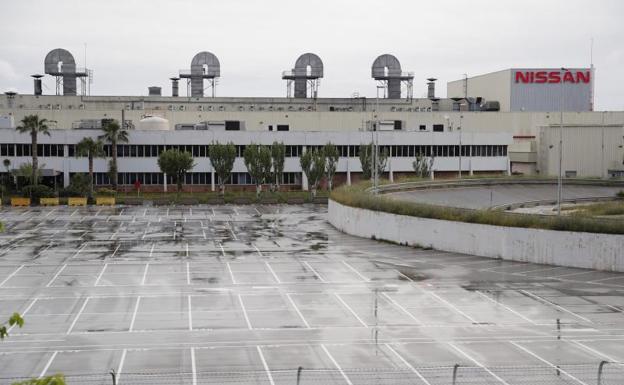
point(200, 151)
point(198, 178)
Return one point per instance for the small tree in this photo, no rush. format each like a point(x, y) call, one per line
point(278, 156)
point(14, 320)
point(423, 165)
point(313, 166)
point(33, 125)
point(176, 163)
point(258, 163)
point(222, 158)
point(114, 134)
point(367, 160)
point(26, 172)
point(331, 155)
point(91, 149)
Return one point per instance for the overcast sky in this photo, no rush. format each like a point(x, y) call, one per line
point(133, 44)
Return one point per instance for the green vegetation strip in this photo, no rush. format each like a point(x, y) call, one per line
point(356, 196)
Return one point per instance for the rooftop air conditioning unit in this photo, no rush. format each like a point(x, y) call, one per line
point(182, 108)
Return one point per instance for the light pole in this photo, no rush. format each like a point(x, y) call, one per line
point(560, 177)
point(460, 145)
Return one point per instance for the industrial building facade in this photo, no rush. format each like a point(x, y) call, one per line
point(492, 128)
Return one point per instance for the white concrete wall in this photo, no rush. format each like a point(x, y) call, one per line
point(562, 248)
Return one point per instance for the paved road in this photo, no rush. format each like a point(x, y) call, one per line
point(480, 197)
point(247, 294)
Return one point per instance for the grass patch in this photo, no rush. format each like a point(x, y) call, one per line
point(229, 197)
point(356, 196)
point(600, 209)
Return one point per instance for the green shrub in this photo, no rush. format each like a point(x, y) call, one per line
point(356, 196)
point(620, 194)
point(106, 192)
point(35, 192)
point(57, 379)
point(78, 187)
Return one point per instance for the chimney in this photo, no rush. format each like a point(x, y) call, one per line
point(37, 79)
point(431, 88)
point(154, 91)
point(174, 86)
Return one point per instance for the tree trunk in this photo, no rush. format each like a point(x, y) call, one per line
point(35, 161)
point(114, 154)
point(313, 190)
point(222, 189)
point(330, 183)
point(258, 190)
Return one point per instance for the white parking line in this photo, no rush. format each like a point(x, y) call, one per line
point(188, 273)
point(546, 362)
point(365, 279)
point(232, 231)
point(190, 314)
point(11, 275)
point(134, 314)
point(593, 351)
point(222, 250)
point(23, 313)
point(506, 307)
point(257, 211)
point(152, 249)
point(452, 306)
point(240, 300)
point(404, 310)
point(187, 250)
point(272, 272)
point(258, 250)
point(409, 366)
point(555, 305)
point(297, 310)
point(264, 364)
point(231, 273)
point(84, 304)
point(100, 275)
point(115, 252)
point(350, 310)
point(144, 274)
point(47, 366)
point(193, 367)
point(320, 277)
point(56, 275)
point(121, 363)
point(478, 363)
point(331, 358)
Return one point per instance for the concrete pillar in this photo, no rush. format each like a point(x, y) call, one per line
point(432, 174)
point(66, 166)
point(212, 180)
point(304, 178)
point(508, 166)
point(348, 173)
point(390, 172)
point(165, 182)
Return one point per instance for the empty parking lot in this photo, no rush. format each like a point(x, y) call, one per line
point(250, 294)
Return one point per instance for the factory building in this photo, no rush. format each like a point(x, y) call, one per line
point(483, 132)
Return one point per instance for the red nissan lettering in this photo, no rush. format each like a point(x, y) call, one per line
point(553, 77)
point(541, 77)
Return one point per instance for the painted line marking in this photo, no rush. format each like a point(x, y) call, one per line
point(409, 366)
point(190, 314)
point(84, 304)
point(72, 214)
point(506, 307)
point(204, 233)
point(258, 250)
point(298, 312)
point(134, 314)
point(97, 281)
point(144, 274)
point(12, 274)
point(555, 305)
point(232, 231)
point(240, 300)
point(596, 352)
point(152, 249)
point(257, 211)
point(121, 363)
point(266, 367)
point(193, 367)
point(188, 273)
point(320, 277)
point(404, 310)
point(23, 313)
point(452, 306)
point(351, 310)
point(115, 252)
point(546, 362)
point(365, 279)
point(47, 366)
point(478, 363)
point(231, 273)
point(222, 250)
point(333, 360)
point(272, 272)
point(56, 275)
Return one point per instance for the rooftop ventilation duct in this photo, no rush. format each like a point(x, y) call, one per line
point(431, 88)
point(154, 91)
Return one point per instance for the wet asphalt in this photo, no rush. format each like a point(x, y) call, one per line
point(248, 294)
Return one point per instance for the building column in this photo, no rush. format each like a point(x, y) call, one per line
point(66, 166)
point(390, 172)
point(348, 172)
point(304, 178)
point(165, 182)
point(212, 181)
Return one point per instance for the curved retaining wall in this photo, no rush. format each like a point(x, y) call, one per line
point(562, 248)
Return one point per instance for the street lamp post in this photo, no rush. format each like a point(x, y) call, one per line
point(560, 176)
point(459, 128)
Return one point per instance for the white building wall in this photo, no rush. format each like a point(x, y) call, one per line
point(494, 86)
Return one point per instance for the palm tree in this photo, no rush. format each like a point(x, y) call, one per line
point(34, 125)
point(91, 149)
point(114, 134)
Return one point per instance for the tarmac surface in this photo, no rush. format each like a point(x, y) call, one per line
point(483, 197)
point(248, 294)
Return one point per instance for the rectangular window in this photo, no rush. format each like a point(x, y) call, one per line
point(422, 127)
point(232, 125)
point(282, 127)
point(438, 127)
